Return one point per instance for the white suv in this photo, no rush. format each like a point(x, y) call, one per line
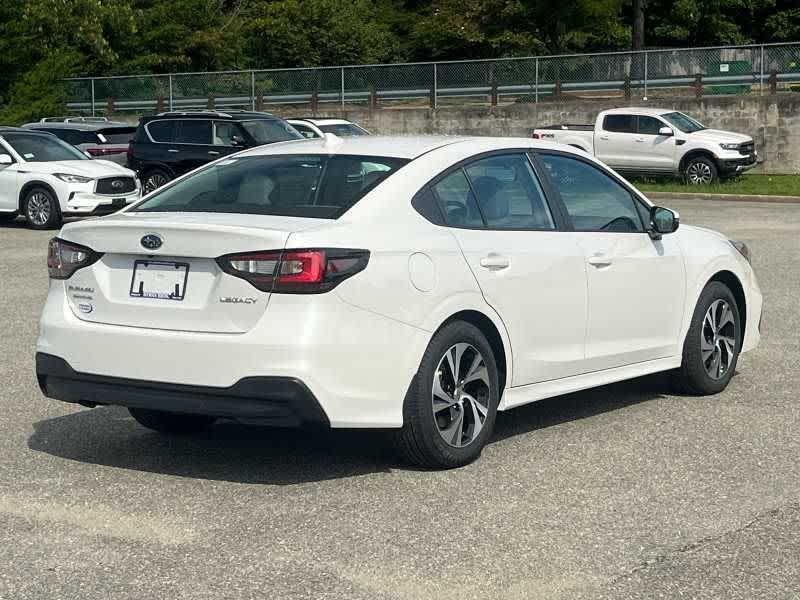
point(312, 127)
point(420, 284)
point(46, 179)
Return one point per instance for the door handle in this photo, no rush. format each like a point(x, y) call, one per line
point(604, 138)
point(495, 262)
point(173, 150)
point(600, 260)
point(640, 140)
point(213, 153)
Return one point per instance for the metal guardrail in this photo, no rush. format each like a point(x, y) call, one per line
point(759, 69)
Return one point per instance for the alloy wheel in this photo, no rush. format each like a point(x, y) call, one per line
point(718, 339)
point(38, 208)
point(699, 173)
point(154, 181)
point(460, 395)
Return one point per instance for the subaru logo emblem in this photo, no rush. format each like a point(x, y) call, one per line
point(152, 241)
point(117, 184)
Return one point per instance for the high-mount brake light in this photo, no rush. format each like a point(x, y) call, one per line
point(303, 271)
point(64, 258)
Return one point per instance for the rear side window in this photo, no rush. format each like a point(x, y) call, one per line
point(304, 130)
point(508, 193)
point(317, 186)
point(457, 201)
point(594, 201)
point(343, 129)
point(117, 135)
point(162, 131)
point(620, 123)
point(193, 131)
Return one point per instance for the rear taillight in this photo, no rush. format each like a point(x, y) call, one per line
point(104, 151)
point(311, 271)
point(64, 258)
point(130, 152)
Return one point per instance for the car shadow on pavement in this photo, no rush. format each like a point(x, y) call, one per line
point(260, 455)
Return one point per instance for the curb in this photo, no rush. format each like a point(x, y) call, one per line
point(725, 197)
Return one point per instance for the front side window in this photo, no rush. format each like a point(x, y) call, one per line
point(650, 125)
point(508, 193)
point(194, 131)
point(266, 131)
point(457, 201)
point(43, 148)
point(227, 134)
point(316, 186)
point(594, 201)
point(620, 123)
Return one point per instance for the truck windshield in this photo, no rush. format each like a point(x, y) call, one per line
point(683, 122)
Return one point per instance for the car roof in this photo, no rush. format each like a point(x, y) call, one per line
point(408, 147)
point(322, 121)
point(640, 110)
point(234, 115)
point(8, 129)
point(89, 126)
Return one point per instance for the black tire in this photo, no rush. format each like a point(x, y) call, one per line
point(700, 170)
point(171, 423)
point(420, 440)
point(154, 179)
point(693, 377)
point(41, 210)
point(7, 217)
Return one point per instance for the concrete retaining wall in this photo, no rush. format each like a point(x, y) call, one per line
point(774, 122)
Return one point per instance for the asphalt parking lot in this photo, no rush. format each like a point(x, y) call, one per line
point(620, 492)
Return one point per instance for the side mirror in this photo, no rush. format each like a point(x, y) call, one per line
point(663, 221)
point(5, 159)
point(666, 131)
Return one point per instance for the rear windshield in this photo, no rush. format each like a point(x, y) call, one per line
point(266, 131)
point(116, 135)
point(343, 129)
point(317, 186)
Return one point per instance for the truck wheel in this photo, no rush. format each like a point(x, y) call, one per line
point(700, 171)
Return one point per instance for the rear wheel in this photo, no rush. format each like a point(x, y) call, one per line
point(171, 423)
point(711, 349)
point(154, 179)
point(450, 408)
point(41, 209)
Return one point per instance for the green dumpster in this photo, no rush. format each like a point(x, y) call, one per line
point(733, 67)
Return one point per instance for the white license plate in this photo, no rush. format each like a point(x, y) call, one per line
point(159, 279)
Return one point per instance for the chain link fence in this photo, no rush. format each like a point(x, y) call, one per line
point(693, 72)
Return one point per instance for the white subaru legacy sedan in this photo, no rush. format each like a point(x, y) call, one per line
point(414, 284)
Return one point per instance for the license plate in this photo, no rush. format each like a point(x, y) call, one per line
point(159, 279)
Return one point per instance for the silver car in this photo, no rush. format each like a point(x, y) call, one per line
point(103, 139)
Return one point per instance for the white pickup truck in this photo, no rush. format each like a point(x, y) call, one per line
point(652, 141)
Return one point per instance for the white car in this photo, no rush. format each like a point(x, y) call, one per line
point(312, 127)
point(46, 179)
point(658, 141)
point(419, 284)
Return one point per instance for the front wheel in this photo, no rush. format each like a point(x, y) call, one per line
point(711, 348)
point(450, 408)
point(171, 423)
point(700, 171)
point(41, 209)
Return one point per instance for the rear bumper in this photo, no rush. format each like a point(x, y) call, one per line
point(281, 401)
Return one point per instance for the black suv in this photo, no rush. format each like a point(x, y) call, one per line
point(170, 144)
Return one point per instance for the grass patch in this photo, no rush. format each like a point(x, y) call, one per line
point(764, 185)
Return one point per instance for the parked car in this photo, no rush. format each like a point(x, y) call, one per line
point(46, 179)
point(655, 141)
point(419, 284)
point(170, 144)
point(311, 127)
point(107, 140)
